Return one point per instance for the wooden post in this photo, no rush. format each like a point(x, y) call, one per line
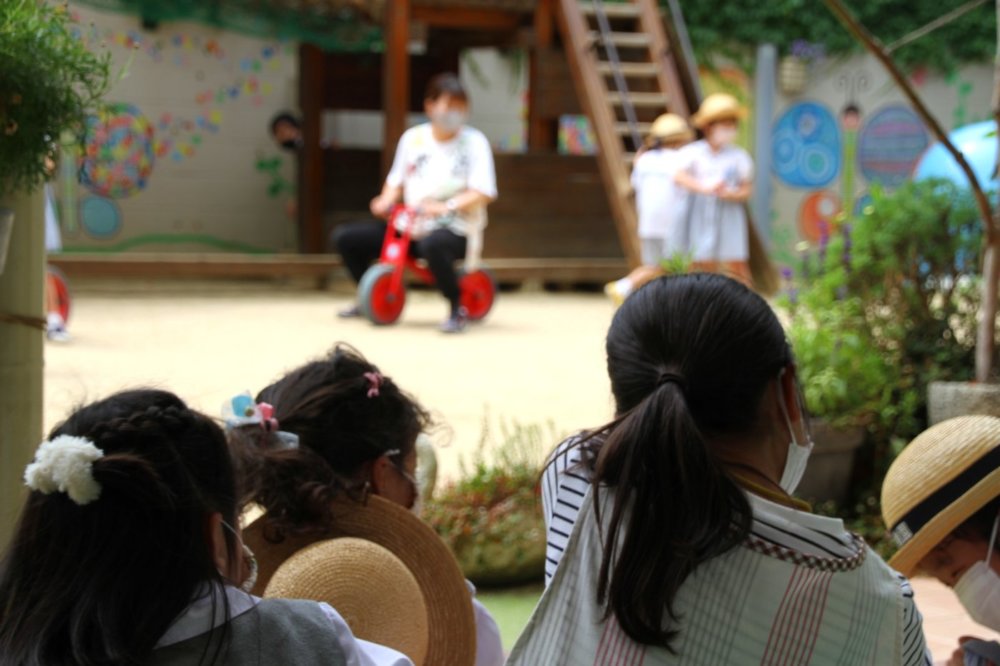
point(311, 183)
point(541, 131)
point(395, 77)
point(21, 350)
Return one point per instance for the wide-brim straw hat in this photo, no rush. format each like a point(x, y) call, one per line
point(670, 127)
point(451, 627)
point(718, 106)
point(371, 588)
point(943, 477)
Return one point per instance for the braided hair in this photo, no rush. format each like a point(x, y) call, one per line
point(100, 583)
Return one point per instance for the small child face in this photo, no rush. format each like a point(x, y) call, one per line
point(952, 557)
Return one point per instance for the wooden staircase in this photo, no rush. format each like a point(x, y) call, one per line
point(626, 72)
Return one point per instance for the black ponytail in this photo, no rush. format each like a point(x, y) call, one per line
point(689, 358)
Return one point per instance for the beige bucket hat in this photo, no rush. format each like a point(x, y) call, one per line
point(718, 106)
point(944, 476)
point(670, 127)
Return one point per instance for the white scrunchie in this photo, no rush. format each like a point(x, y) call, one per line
point(65, 464)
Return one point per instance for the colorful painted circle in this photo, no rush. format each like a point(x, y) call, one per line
point(890, 144)
point(806, 148)
point(100, 217)
point(817, 214)
point(118, 152)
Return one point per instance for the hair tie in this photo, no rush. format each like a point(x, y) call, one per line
point(241, 410)
point(65, 465)
point(671, 378)
point(374, 383)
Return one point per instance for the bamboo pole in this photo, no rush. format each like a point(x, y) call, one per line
point(991, 254)
point(21, 349)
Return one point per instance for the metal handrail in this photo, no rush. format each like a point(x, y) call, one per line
point(605, 27)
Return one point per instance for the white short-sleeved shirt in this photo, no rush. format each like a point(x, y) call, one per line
point(430, 169)
point(731, 165)
point(657, 198)
point(717, 229)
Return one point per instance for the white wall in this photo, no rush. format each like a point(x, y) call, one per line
point(199, 103)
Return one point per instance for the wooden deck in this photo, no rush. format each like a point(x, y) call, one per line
point(136, 265)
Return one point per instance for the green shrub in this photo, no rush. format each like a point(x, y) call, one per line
point(886, 305)
point(492, 518)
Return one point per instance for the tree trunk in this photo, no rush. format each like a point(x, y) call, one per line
point(986, 335)
point(21, 348)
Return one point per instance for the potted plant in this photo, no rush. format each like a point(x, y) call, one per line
point(793, 70)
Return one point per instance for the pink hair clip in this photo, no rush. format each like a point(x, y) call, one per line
point(267, 420)
point(374, 383)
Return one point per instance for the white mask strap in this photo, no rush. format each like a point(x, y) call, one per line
point(993, 539)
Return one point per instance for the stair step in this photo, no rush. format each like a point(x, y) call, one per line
point(643, 128)
point(629, 68)
point(636, 40)
point(646, 99)
point(612, 10)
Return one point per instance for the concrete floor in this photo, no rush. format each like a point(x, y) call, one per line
point(537, 359)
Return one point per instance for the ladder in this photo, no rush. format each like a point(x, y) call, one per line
point(626, 73)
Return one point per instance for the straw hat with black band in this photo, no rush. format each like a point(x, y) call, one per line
point(336, 570)
point(716, 107)
point(939, 481)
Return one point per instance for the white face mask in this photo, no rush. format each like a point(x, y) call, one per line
point(979, 589)
point(723, 135)
point(798, 454)
point(449, 121)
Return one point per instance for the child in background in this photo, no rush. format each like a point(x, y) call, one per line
point(128, 551)
point(719, 174)
point(660, 204)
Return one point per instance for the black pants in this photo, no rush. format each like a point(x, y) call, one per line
point(360, 244)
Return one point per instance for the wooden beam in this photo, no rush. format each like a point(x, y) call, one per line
point(541, 130)
point(311, 176)
point(480, 19)
point(395, 77)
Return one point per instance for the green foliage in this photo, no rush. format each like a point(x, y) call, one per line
point(735, 28)
point(48, 83)
point(492, 519)
point(886, 306)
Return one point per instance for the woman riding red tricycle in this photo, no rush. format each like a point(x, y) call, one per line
point(445, 169)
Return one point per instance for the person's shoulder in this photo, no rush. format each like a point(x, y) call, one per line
point(474, 135)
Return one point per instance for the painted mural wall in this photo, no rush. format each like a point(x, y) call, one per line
point(180, 158)
point(851, 128)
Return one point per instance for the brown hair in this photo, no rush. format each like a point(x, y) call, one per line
point(446, 84)
point(326, 404)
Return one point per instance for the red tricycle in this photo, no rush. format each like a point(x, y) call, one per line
point(382, 291)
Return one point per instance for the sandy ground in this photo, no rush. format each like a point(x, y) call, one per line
point(538, 359)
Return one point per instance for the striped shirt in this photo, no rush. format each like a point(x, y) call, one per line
point(565, 484)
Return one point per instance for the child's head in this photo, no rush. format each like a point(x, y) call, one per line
point(120, 531)
point(356, 432)
point(718, 118)
point(669, 131)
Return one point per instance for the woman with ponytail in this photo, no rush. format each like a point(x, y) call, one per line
point(673, 533)
point(128, 551)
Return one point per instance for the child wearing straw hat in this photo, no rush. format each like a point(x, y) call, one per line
point(659, 203)
point(128, 551)
point(334, 456)
point(941, 502)
point(719, 174)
